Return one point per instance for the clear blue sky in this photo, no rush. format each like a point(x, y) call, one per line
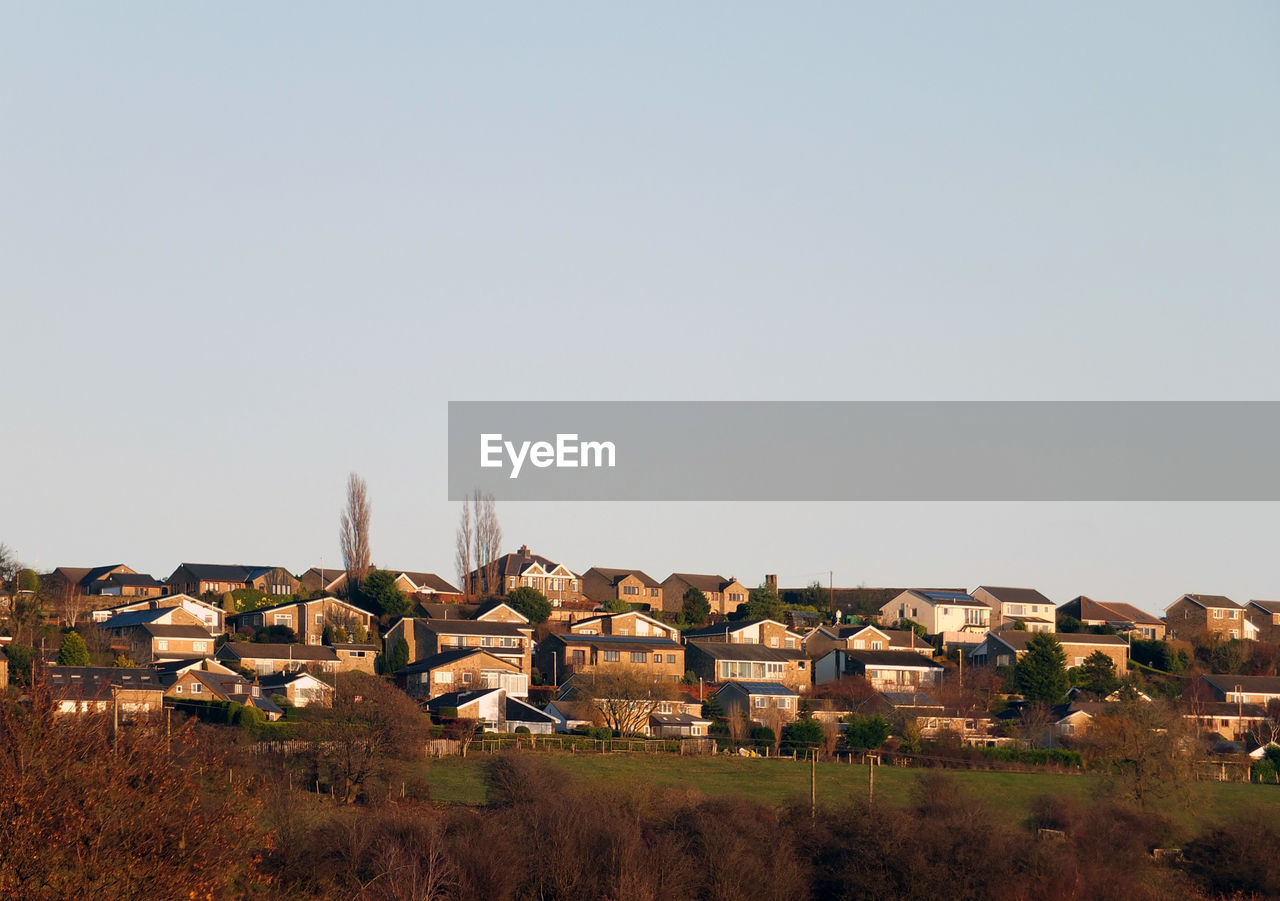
point(245, 249)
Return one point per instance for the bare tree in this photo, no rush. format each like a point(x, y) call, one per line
point(464, 556)
point(354, 531)
point(487, 544)
point(624, 698)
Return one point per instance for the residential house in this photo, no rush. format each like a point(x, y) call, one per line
point(425, 609)
point(1264, 616)
point(217, 578)
point(1124, 618)
point(356, 657)
point(1200, 617)
point(602, 585)
point(307, 618)
point(131, 585)
point(845, 602)
point(493, 709)
point(932, 717)
point(527, 569)
point(425, 638)
point(1010, 606)
point(718, 661)
point(464, 669)
point(956, 616)
point(429, 586)
point(266, 658)
point(884, 670)
point(67, 586)
point(157, 634)
point(632, 623)
point(678, 725)
point(131, 692)
point(298, 689)
point(317, 579)
point(767, 632)
point(569, 715)
point(724, 595)
point(863, 638)
point(562, 656)
point(760, 702)
point(1260, 690)
point(496, 611)
point(1232, 720)
point(211, 615)
point(197, 684)
point(1007, 648)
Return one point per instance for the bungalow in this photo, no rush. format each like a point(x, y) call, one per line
point(1232, 720)
point(723, 662)
point(724, 595)
point(1197, 617)
point(756, 700)
point(464, 669)
point(356, 656)
point(884, 670)
point(632, 623)
point(318, 580)
point(133, 693)
point(932, 718)
point(211, 615)
point(1007, 648)
point(655, 656)
point(1261, 690)
point(1124, 618)
point(863, 638)
point(768, 632)
point(425, 638)
point(678, 725)
point(197, 684)
point(493, 709)
point(601, 584)
point(267, 658)
point(428, 585)
point(299, 689)
point(1016, 605)
point(671, 717)
point(217, 578)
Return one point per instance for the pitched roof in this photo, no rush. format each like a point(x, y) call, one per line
point(283, 680)
point(515, 563)
point(1269, 685)
point(98, 573)
point(137, 617)
point(617, 575)
point(442, 610)
point(160, 630)
point(217, 572)
point(678, 719)
point(948, 598)
point(910, 699)
point(1015, 595)
point(134, 580)
point(892, 658)
point(447, 657)
point(1211, 601)
point(1131, 614)
point(1268, 606)
point(428, 582)
point(97, 681)
point(252, 650)
point(1019, 640)
point(730, 626)
point(518, 711)
point(773, 689)
point(459, 698)
point(721, 650)
point(704, 582)
point(472, 627)
point(631, 642)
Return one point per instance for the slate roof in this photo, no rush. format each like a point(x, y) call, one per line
point(1212, 601)
point(1268, 606)
point(1016, 595)
point(82, 682)
point(472, 627)
point(1019, 640)
point(678, 719)
point(773, 689)
point(891, 658)
point(137, 618)
point(443, 659)
point(729, 626)
point(704, 582)
point(720, 650)
point(218, 572)
point(909, 699)
point(441, 610)
point(459, 698)
point(282, 680)
point(949, 598)
point(617, 575)
point(252, 650)
point(133, 580)
point(518, 711)
point(1248, 684)
point(159, 630)
point(632, 642)
point(1109, 612)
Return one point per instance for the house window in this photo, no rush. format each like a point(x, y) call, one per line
point(466, 678)
point(177, 689)
point(657, 658)
point(639, 657)
point(671, 658)
point(486, 642)
point(773, 642)
point(859, 644)
point(1233, 614)
point(284, 619)
point(1217, 614)
point(877, 645)
point(196, 688)
point(630, 589)
point(319, 619)
point(784, 703)
point(200, 647)
point(760, 702)
point(612, 656)
point(790, 643)
point(444, 676)
point(162, 644)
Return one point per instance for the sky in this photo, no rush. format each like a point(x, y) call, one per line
point(248, 249)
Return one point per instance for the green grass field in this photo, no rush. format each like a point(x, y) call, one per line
point(773, 781)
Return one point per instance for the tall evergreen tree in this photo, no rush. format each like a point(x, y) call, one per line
point(1041, 674)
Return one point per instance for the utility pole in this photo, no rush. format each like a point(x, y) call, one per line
point(831, 591)
point(813, 783)
point(871, 780)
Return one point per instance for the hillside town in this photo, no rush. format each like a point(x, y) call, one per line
point(528, 645)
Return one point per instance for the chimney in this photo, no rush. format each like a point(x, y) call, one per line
point(524, 551)
point(771, 581)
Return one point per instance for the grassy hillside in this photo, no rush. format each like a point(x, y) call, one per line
point(780, 781)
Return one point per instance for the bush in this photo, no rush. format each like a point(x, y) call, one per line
point(802, 736)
